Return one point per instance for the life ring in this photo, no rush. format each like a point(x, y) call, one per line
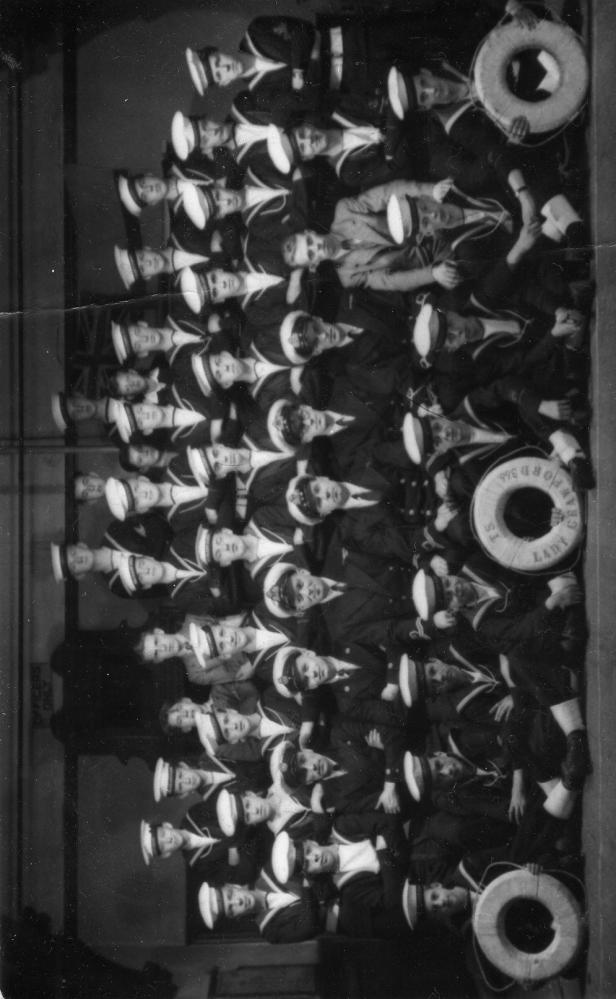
point(490, 501)
point(561, 45)
point(490, 925)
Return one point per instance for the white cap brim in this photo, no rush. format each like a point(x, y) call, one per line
point(410, 438)
point(208, 905)
point(127, 198)
point(195, 69)
point(195, 205)
point(191, 292)
point(57, 412)
point(281, 859)
point(397, 93)
point(182, 146)
point(56, 563)
point(395, 221)
point(409, 775)
point(277, 152)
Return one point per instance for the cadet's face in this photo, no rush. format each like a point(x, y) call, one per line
point(143, 339)
point(223, 284)
point(458, 592)
point(329, 335)
point(256, 808)
point(149, 572)
point(449, 433)
point(186, 780)
point(227, 202)
point(145, 493)
point(225, 69)
point(305, 249)
point(441, 677)
point(431, 90)
point(79, 408)
point(311, 141)
point(318, 859)
point(151, 263)
point(314, 423)
point(308, 590)
point(130, 384)
point(434, 216)
point(151, 189)
point(182, 715)
point(327, 494)
point(169, 840)
point(461, 330)
point(317, 767)
point(234, 726)
point(159, 646)
point(89, 488)
point(445, 770)
point(143, 456)
point(440, 901)
point(237, 901)
point(227, 547)
point(223, 459)
point(229, 640)
point(213, 134)
point(225, 368)
point(148, 416)
point(314, 669)
point(79, 559)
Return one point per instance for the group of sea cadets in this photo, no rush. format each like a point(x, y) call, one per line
point(376, 295)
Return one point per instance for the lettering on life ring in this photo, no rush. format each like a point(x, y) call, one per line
point(561, 45)
point(490, 925)
point(490, 500)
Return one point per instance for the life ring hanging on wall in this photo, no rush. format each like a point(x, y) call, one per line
point(490, 918)
point(495, 55)
point(496, 489)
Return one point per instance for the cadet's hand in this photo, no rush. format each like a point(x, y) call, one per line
point(390, 692)
point(374, 739)
point(445, 619)
point(566, 597)
point(442, 189)
point(445, 513)
point(567, 323)
point(522, 15)
point(441, 483)
point(556, 409)
point(502, 709)
point(518, 129)
point(389, 799)
point(517, 804)
point(446, 274)
point(439, 565)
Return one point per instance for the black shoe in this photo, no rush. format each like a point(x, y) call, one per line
point(576, 763)
point(581, 473)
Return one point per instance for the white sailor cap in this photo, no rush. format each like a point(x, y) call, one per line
point(397, 93)
point(229, 811)
point(184, 135)
point(119, 496)
point(200, 466)
point(126, 263)
point(284, 857)
point(211, 904)
point(59, 565)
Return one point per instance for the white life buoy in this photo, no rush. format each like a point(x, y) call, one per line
point(490, 501)
point(561, 45)
point(489, 925)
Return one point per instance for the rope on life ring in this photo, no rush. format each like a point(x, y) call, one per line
point(490, 74)
point(489, 925)
point(490, 501)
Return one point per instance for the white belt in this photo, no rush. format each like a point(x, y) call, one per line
point(331, 919)
point(336, 58)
